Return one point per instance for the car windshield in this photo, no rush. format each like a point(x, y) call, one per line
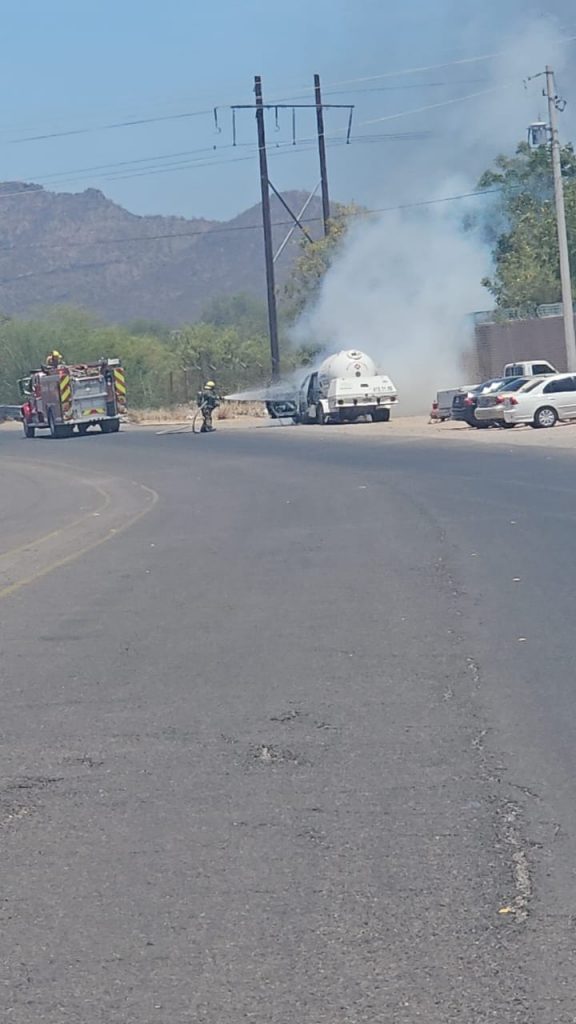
point(490, 385)
point(516, 384)
point(531, 385)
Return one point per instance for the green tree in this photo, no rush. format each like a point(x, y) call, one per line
point(205, 350)
point(162, 366)
point(315, 259)
point(525, 249)
point(245, 313)
point(80, 337)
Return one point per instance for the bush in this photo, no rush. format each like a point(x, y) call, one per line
point(163, 367)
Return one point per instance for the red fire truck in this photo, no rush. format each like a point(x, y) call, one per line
point(74, 396)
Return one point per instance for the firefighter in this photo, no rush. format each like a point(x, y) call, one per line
point(54, 360)
point(207, 401)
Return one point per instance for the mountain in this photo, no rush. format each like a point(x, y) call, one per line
point(82, 249)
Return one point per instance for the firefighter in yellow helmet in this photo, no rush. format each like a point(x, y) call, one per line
point(208, 400)
point(54, 360)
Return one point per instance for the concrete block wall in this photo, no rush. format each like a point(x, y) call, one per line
point(513, 340)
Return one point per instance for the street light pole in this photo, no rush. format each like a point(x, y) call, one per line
point(569, 335)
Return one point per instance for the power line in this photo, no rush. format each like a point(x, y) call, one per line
point(79, 174)
point(181, 115)
point(403, 87)
point(442, 103)
point(429, 67)
point(329, 136)
point(114, 124)
point(128, 163)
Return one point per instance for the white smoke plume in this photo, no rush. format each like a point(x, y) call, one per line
point(404, 284)
point(401, 291)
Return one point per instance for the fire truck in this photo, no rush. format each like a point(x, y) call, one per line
point(80, 396)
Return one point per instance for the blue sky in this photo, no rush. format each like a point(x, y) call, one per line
point(77, 66)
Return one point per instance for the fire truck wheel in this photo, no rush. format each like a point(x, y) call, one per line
point(110, 426)
point(58, 429)
point(29, 430)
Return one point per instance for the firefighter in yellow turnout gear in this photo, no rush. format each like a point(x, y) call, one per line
point(54, 360)
point(208, 401)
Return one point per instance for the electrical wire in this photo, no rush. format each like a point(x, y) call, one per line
point(398, 88)
point(114, 124)
point(120, 170)
point(306, 141)
point(423, 68)
point(442, 103)
point(181, 115)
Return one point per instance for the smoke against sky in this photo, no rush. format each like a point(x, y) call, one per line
point(401, 291)
point(404, 285)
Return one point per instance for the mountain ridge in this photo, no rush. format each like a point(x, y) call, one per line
point(83, 249)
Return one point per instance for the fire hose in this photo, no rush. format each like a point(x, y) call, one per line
point(183, 430)
point(199, 412)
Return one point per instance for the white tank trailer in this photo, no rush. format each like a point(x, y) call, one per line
point(344, 388)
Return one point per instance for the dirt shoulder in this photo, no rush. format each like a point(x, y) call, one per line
point(562, 436)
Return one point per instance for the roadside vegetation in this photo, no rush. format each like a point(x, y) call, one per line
point(164, 367)
point(522, 226)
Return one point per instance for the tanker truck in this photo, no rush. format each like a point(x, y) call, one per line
point(345, 387)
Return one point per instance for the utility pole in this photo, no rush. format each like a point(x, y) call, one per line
point(322, 154)
point(265, 185)
point(569, 335)
point(267, 225)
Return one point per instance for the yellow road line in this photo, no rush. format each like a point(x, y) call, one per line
point(61, 529)
point(14, 587)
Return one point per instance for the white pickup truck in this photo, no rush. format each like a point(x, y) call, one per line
point(529, 368)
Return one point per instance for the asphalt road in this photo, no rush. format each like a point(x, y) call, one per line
point(293, 742)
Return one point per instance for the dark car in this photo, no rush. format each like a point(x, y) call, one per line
point(464, 404)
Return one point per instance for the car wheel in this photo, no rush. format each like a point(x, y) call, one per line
point(545, 417)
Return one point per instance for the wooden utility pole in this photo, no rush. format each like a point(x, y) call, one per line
point(267, 225)
point(265, 185)
point(322, 154)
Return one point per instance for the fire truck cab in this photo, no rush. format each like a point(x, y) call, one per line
point(78, 396)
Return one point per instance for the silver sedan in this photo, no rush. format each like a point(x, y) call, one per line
point(490, 407)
